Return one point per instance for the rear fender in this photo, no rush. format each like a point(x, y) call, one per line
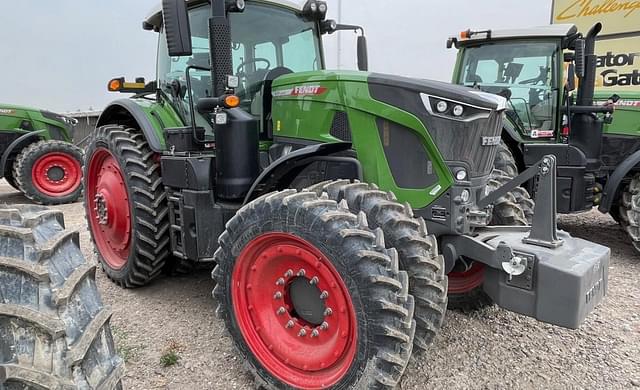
point(127, 112)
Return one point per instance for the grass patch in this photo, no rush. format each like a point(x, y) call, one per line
point(171, 355)
point(126, 351)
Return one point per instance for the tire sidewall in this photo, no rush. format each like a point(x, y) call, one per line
point(101, 142)
point(338, 259)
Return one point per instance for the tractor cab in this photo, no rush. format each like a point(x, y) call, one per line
point(524, 66)
point(536, 70)
point(268, 40)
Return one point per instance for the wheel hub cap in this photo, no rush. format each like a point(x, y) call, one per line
point(294, 311)
point(101, 209)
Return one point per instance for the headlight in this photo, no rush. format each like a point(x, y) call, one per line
point(461, 175)
point(454, 110)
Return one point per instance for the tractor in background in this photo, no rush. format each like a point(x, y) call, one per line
point(337, 206)
point(38, 157)
point(535, 69)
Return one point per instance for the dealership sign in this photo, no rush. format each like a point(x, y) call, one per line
point(616, 16)
point(618, 49)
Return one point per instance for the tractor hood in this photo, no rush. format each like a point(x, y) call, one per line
point(383, 82)
point(464, 124)
point(447, 91)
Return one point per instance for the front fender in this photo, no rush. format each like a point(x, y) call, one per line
point(614, 181)
point(272, 175)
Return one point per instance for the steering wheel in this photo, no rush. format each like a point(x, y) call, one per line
point(252, 61)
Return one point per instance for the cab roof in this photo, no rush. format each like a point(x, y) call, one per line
point(154, 20)
point(549, 31)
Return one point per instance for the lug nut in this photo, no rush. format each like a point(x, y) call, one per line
point(302, 333)
point(328, 311)
point(314, 281)
point(302, 272)
point(290, 324)
point(324, 325)
point(315, 333)
point(288, 274)
point(277, 295)
point(281, 311)
point(324, 295)
point(280, 282)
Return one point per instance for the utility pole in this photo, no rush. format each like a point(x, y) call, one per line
point(339, 35)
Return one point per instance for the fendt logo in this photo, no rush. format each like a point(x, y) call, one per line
point(301, 90)
point(611, 77)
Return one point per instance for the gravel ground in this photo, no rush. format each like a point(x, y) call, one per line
point(491, 349)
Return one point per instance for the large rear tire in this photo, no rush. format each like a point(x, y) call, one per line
point(49, 172)
point(629, 211)
point(126, 206)
point(54, 326)
point(417, 250)
point(311, 297)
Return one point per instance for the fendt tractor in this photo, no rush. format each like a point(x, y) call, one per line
point(598, 154)
point(37, 156)
point(321, 197)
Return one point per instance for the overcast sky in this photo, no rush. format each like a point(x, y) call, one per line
point(59, 55)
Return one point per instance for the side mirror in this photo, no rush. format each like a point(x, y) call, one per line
point(177, 27)
point(580, 58)
point(571, 78)
point(363, 54)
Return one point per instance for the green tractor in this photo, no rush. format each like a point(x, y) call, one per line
point(37, 156)
point(338, 207)
point(598, 153)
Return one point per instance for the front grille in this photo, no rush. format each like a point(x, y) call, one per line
point(462, 141)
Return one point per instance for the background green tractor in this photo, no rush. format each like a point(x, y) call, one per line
point(338, 207)
point(38, 157)
point(535, 69)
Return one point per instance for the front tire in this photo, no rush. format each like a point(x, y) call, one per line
point(417, 250)
point(54, 326)
point(49, 172)
point(282, 253)
point(126, 206)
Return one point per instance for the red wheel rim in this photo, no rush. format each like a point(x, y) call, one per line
point(56, 174)
point(108, 208)
point(463, 282)
point(303, 355)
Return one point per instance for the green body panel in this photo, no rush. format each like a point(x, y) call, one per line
point(626, 118)
point(12, 118)
point(308, 113)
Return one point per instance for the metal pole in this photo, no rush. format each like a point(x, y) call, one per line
point(339, 35)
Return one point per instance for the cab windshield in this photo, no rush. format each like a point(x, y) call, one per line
point(524, 74)
point(263, 38)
